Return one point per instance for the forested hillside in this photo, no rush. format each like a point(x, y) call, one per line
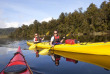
point(6, 31)
point(92, 20)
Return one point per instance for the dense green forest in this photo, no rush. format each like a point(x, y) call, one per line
point(6, 31)
point(92, 20)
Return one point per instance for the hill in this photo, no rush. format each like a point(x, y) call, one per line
point(6, 31)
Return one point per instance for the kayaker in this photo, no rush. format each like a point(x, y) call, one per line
point(37, 39)
point(55, 58)
point(37, 53)
point(55, 40)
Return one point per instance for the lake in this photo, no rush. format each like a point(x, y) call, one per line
point(70, 63)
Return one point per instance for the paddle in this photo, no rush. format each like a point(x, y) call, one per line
point(45, 51)
point(68, 34)
point(47, 33)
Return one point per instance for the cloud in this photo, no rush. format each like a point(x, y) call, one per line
point(46, 19)
point(18, 24)
point(18, 14)
point(12, 24)
point(4, 24)
point(28, 22)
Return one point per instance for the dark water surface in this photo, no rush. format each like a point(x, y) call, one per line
point(45, 64)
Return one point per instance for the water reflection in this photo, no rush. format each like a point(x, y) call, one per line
point(4, 41)
point(56, 58)
point(99, 60)
point(37, 53)
point(72, 60)
point(5, 50)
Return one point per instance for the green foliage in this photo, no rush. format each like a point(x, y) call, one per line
point(90, 21)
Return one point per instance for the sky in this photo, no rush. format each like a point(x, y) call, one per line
point(14, 13)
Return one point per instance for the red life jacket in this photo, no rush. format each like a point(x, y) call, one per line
point(35, 39)
point(56, 39)
point(57, 59)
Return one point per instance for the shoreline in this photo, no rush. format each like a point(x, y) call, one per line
point(4, 36)
point(94, 34)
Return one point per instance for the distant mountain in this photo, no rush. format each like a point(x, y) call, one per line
point(6, 31)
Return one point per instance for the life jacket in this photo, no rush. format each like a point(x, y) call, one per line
point(57, 57)
point(37, 39)
point(56, 39)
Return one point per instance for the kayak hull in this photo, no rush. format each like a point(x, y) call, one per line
point(99, 48)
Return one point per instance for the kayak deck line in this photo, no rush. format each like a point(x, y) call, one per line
point(52, 50)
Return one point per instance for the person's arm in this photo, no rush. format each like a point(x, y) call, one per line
point(62, 39)
point(34, 40)
point(53, 58)
point(52, 39)
point(43, 38)
point(51, 43)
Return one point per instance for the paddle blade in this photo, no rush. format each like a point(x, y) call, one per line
point(47, 33)
point(68, 34)
point(32, 46)
point(29, 43)
point(44, 52)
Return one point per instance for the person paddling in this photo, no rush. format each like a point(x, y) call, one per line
point(37, 39)
point(55, 40)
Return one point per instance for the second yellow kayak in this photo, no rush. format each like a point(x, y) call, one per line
point(99, 48)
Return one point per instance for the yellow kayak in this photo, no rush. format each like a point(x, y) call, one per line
point(29, 43)
point(99, 60)
point(99, 48)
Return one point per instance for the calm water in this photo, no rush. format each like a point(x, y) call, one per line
point(45, 64)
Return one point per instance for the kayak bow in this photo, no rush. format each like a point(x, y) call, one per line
point(17, 65)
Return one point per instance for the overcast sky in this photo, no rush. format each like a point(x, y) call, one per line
point(14, 13)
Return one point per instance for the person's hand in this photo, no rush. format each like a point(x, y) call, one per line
point(52, 45)
point(64, 37)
